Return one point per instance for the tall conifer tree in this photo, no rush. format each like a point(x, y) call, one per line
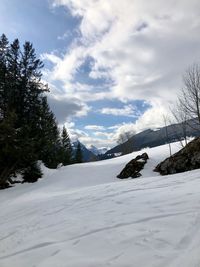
point(79, 156)
point(3, 74)
point(66, 146)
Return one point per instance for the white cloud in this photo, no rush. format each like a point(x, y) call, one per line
point(152, 118)
point(141, 47)
point(76, 134)
point(98, 142)
point(144, 62)
point(65, 67)
point(69, 124)
point(128, 110)
point(52, 58)
point(94, 127)
point(102, 134)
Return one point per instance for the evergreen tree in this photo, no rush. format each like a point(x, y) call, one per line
point(16, 150)
point(32, 173)
point(78, 156)
point(66, 147)
point(3, 74)
point(49, 145)
point(13, 61)
point(9, 149)
point(31, 87)
point(28, 128)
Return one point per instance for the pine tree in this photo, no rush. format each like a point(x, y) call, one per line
point(66, 147)
point(28, 128)
point(31, 87)
point(78, 156)
point(13, 59)
point(9, 149)
point(49, 146)
point(3, 74)
point(16, 150)
point(32, 173)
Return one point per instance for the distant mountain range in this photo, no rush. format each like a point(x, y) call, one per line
point(97, 151)
point(152, 138)
point(147, 138)
point(91, 153)
point(87, 154)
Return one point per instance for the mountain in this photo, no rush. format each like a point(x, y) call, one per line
point(98, 151)
point(152, 138)
point(87, 154)
point(103, 150)
point(81, 215)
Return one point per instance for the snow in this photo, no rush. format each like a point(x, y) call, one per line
point(82, 216)
point(98, 151)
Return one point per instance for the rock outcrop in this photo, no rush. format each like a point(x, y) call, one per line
point(133, 167)
point(186, 159)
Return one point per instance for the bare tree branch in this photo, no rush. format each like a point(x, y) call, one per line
point(189, 99)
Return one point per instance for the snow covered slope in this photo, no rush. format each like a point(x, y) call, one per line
point(82, 216)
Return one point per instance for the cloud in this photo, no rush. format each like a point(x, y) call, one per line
point(142, 47)
point(102, 134)
point(66, 66)
point(74, 133)
point(94, 127)
point(128, 110)
point(139, 51)
point(99, 141)
point(65, 108)
point(150, 119)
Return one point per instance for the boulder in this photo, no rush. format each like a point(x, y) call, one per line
point(133, 167)
point(186, 159)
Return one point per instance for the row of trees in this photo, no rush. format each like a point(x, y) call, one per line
point(28, 128)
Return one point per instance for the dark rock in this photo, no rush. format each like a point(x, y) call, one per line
point(144, 156)
point(186, 159)
point(133, 167)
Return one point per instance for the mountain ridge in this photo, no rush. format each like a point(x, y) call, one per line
point(157, 137)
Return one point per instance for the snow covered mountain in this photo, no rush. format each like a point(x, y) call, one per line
point(83, 216)
point(87, 154)
point(98, 151)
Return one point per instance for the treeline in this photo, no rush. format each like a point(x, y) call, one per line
point(28, 128)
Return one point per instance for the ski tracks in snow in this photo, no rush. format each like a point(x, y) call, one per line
point(151, 221)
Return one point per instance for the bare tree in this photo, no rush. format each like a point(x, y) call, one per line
point(165, 119)
point(180, 118)
point(126, 142)
point(189, 99)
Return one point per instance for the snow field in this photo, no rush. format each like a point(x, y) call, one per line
point(83, 216)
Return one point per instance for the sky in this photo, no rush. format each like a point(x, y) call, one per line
point(112, 66)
